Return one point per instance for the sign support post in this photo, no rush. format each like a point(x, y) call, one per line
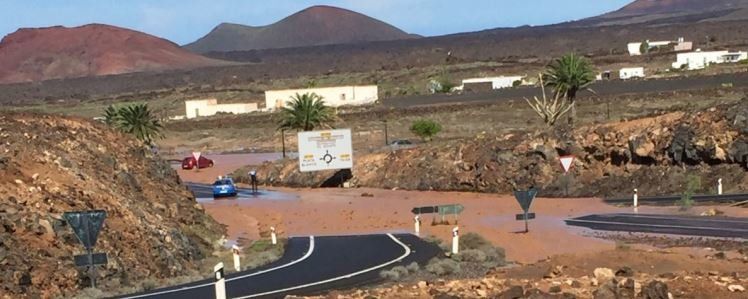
point(566, 162)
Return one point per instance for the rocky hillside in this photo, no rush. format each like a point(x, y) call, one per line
point(317, 25)
point(50, 165)
point(35, 54)
point(653, 154)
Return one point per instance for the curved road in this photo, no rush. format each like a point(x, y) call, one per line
point(312, 265)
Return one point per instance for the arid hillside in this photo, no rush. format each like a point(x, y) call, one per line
point(655, 154)
point(50, 165)
point(317, 25)
point(35, 54)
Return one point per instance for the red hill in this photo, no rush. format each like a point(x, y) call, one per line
point(59, 52)
point(317, 25)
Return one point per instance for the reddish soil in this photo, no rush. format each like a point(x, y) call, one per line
point(33, 54)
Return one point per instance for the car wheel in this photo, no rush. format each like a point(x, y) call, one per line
point(210, 164)
point(233, 194)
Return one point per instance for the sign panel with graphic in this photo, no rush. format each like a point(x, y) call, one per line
point(325, 150)
point(566, 162)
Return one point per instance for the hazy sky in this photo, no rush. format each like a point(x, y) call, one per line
point(187, 20)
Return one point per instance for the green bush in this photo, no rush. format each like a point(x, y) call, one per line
point(399, 272)
point(693, 183)
point(426, 129)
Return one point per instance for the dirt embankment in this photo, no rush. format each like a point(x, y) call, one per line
point(50, 165)
point(654, 154)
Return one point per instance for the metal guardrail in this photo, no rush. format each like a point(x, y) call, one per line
point(672, 199)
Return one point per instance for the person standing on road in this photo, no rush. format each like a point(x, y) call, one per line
point(253, 180)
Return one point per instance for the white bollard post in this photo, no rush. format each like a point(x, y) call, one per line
point(220, 281)
point(719, 186)
point(417, 225)
point(636, 198)
point(273, 238)
point(237, 260)
point(455, 240)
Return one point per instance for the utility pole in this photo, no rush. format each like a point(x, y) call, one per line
point(283, 142)
point(386, 137)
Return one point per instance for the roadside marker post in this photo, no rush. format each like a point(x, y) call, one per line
point(273, 237)
point(455, 240)
point(237, 260)
point(417, 225)
point(636, 198)
point(525, 199)
point(719, 186)
point(220, 281)
point(86, 226)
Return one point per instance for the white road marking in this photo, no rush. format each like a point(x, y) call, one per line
point(661, 225)
point(306, 255)
point(398, 259)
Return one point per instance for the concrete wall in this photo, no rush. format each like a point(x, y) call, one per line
point(699, 60)
point(631, 72)
point(333, 96)
point(635, 48)
point(208, 107)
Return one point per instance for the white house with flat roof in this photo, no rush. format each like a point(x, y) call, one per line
point(496, 82)
point(698, 60)
point(208, 107)
point(333, 96)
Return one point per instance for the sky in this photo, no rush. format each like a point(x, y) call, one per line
point(187, 20)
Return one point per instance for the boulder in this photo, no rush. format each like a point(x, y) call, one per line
point(603, 274)
point(655, 290)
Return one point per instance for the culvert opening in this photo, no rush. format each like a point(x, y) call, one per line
point(337, 179)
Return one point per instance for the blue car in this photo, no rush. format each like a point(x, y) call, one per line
point(224, 187)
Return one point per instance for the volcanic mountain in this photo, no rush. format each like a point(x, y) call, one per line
point(677, 11)
point(317, 25)
point(34, 54)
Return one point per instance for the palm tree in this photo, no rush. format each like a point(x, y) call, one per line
point(136, 120)
point(306, 112)
point(568, 75)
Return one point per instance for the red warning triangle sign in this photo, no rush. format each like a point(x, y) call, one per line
point(567, 162)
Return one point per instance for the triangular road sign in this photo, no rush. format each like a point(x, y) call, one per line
point(196, 155)
point(86, 225)
point(525, 198)
point(567, 162)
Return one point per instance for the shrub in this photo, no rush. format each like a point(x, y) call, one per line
point(693, 183)
point(398, 272)
point(442, 267)
point(425, 128)
point(471, 255)
point(390, 275)
point(414, 267)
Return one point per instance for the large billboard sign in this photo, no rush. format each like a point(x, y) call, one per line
point(325, 150)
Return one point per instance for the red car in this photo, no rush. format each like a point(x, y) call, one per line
point(189, 163)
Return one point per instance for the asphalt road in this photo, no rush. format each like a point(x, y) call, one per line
point(673, 199)
point(312, 265)
point(604, 88)
point(726, 227)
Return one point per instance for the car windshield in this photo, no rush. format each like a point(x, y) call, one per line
point(222, 182)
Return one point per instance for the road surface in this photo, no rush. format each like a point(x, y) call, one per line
point(312, 265)
point(205, 192)
point(673, 199)
point(604, 88)
point(726, 227)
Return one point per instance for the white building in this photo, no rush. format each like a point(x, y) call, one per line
point(698, 60)
point(679, 45)
point(333, 96)
point(208, 107)
point(631, 72)
point(496, 82)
